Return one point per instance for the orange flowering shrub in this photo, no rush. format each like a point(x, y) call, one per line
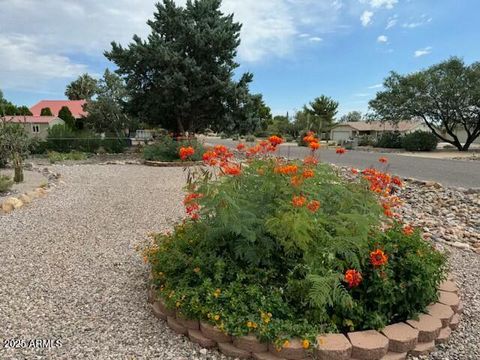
point(186, 152)
point(284, 249)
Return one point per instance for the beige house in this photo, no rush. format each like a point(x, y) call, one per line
point(36, 126)
point(352, 130)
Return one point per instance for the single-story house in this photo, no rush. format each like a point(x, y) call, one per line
point(76, 107)
point(352, 130)
point(36, 126)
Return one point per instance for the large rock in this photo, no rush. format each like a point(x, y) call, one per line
point(16, 203)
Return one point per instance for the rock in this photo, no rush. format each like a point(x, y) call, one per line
point(7, 208)
point(25, 198)
point(16, 203)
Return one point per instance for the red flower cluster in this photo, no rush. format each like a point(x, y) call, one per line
point(299, 201)
point(378, 258)
point(341, 151)
point(313, 206)
point(353, 278)
point(186, 152)
point(191, 205)
point(286, 169)
point(408, 230)
point(275, 140)
point(383, 160)
point(232, 169)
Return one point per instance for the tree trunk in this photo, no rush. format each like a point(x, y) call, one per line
point(18, 169)
point(18, 177)
point(181, 129)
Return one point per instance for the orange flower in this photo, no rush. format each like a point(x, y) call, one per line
point(353, 278)
point(275, 140)
point(310, 160)
point(287, 169)
point(210, 158)
point(354, 171)
point(396, 180)
point(308, 173)
point(233, 170)
point(241, 147)
point(309, 138)
point(341, 151)
point(220, 149)
point(190, 197)
point(305, 344)
point(408, 230)
point(313, 206)
point(383, 160)
point(378, 258)
point(286, 344)
point(186, 152)
point(298, 201)
point(296, 181)
point(314, 145)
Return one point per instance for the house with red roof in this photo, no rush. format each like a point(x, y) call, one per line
point(35, 126)
point(75, 106)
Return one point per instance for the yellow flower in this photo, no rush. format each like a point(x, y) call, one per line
point(216, 317)
point(197, 270)
point(171, 294)
point(249, 324)
point(161, 274)
point(305, 344)
point(217, 293)
point(178, 304)
point(286, 344)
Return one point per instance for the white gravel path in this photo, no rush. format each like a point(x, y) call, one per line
point(69, 270)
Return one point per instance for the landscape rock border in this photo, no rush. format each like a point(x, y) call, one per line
point(172, 163)
point(395, 342)
point(18, 201)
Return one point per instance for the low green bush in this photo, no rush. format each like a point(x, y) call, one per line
point(390, 140)
point(292, 249)
point(38, 147)
point(167, 149)
point(366, 140)
point(54, 156)
point(250, 138)
point(420, 141)
point(5, 183)
point(114, 145)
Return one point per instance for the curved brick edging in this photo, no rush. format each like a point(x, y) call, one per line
point(172, 163)
point(394, 342)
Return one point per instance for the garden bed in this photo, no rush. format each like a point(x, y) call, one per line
point(414, 337)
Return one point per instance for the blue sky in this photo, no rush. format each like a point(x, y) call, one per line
point(296, 49)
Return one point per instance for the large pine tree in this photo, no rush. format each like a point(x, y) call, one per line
point(180, 77)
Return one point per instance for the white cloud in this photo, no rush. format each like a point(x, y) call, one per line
point(382, 39)
point(361, 94)
point(392, 21)
point(316, 39)
point(388, 4)
point(414, 24)
point(304, 35)
point(422, 52)
point(376, 86)
point(366, 17)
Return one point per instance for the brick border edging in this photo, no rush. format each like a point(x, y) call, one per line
point(172, 163)
point(395, 341)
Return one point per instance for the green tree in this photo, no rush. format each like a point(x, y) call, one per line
point(46, 112)
point(352, 116)
point(445, 96)
point(322, 111)
point(66, 115)
point(84, 88)
point(105, 113)
point(14, 142)
point(181, 76)
point(7, 108)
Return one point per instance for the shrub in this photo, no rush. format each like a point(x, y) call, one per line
point(167, 149)
point(54, 156)
point(277, 249)
point(61, 138)
point(114, 145)
point(235, 137)
point(250, 138)
point(366, 140)
point(5, 184)
point(420, 141)
point(38, 147)
point(390, 140)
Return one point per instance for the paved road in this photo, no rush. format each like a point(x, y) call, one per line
point(458, 173)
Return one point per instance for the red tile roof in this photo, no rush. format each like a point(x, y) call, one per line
point(75, 106)
point(30, 119)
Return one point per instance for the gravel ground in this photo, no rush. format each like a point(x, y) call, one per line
point(70, 271)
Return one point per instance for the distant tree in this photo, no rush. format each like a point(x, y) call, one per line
point(66, 115)
point(46, 112)
point(105, 113)
point(7, 108)
point(445, 96)
point(181, 76)
point(352, 116)
point(84, 88)
point(322, 110)
point(14, 142)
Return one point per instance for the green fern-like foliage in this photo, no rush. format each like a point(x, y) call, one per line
point(252, 253)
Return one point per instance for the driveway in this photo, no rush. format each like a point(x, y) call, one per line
point(458, 173)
